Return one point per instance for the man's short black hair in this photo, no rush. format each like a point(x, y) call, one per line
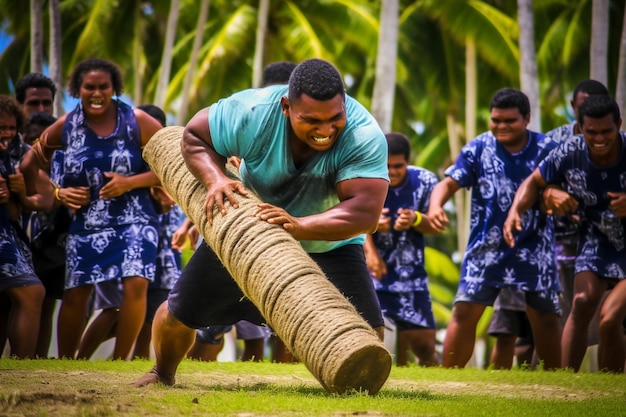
point(398, 144)
point(597, 107)
point(33, 80)
point(154, 111)
point(35, 124)
point(317, 79)
point(590, 87)
point(95, 64)
point(40, 118)
point(509, 98)
point(278, 72)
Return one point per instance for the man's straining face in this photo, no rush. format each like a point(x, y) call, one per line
point(316, 123)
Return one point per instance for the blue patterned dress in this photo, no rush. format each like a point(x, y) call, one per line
point(16, 267)
point(169, 261)
point(403, 292)
point(603, 234)
point(108, 238)
point(494, 174)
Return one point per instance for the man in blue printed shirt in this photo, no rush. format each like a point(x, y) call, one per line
point(588, 174)
point(395, 255)
point(566, 227)
point(493, 165)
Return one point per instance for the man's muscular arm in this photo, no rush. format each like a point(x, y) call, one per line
point(208, 166)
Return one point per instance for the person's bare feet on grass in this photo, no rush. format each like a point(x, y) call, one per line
point(152, 378)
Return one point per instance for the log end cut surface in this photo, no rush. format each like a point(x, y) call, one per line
point(365, 369)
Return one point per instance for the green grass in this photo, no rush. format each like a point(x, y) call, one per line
point(102, 388)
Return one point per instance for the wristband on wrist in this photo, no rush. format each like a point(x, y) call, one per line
point(57, 188)
point(418, 219)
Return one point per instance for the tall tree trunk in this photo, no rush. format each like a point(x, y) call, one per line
point(529, 79)
point(598, 51)
point(259, 47)
point(139, 71)
point(620, 91)
point(462, 197)
point(36, 36)
point(181, 119)
point(385, 82)
point(139, 61)
point(56, 69)
point(166, 58)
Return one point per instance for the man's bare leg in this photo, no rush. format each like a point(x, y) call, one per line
point(205, 351)
point(253, 350)
point(172, 340)
point(588, 291)
point(280, 353)
point(547, 335)
point(458, 345)
point(611, 347)
point(503, 351)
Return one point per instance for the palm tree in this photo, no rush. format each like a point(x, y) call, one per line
point(599, 40)
point(166, 57)
point(259, 48)
point(620, 90)
point(193, 60)
point(14, 62)
point(462, 197)
point(341, 31)
point(36, 38)
point(564, 53)
point(387, 51)
point(223, 60)
point(55, 54)
point(340, 28)
point(529, 79)
point(436, 39)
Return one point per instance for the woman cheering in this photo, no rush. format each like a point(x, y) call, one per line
point(105, 182)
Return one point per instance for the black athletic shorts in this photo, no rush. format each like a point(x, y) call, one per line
point(507, 322)
point(206, 294)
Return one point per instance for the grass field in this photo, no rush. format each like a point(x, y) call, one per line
point(102, 388)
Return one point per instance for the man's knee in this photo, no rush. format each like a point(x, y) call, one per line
point(583, 306)
point(611, 322)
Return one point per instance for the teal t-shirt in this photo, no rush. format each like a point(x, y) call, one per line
point(250, 125)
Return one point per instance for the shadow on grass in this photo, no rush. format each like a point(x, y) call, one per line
point(315, 392)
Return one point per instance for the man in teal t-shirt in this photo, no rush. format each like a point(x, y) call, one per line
point(318, 160)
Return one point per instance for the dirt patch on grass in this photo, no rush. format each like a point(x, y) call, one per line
point(104, 393)
point(496, 390)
